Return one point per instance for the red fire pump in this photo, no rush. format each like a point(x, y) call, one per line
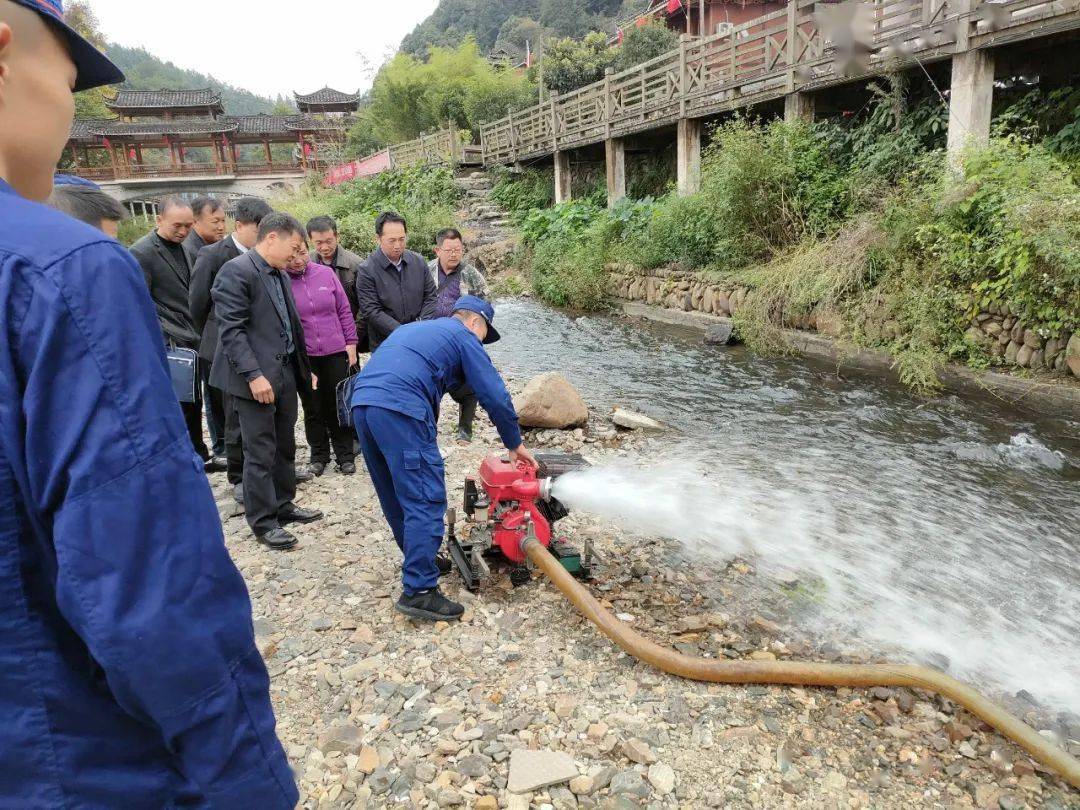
point(504, 503)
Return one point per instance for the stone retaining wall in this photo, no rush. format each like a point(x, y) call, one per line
point(997, 330)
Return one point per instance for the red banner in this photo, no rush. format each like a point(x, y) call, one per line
point(343, 172)
point(673, 6)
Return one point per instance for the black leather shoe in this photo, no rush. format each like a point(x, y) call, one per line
point(303, 476)
point(444, 565)
point(315, 468)
point(348, 468)
point(238, 493)
point(277, 539)
point(298, 515)
point(430, 605)
point(215, 464)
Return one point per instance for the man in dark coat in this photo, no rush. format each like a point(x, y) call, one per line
point(165, 266)
point(249, 213)
point(261, 362)
point(393, 286)
point(209, 227)
point(322, 231)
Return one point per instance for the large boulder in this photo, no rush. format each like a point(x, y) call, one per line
point(1072, 354)
point(550, 401)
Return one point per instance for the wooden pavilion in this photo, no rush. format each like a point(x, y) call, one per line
point(177, 133)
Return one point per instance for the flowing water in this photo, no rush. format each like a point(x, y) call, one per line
point(947, 531)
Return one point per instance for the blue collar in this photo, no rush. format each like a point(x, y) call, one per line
point(6, 189)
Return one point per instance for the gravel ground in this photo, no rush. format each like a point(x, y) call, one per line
point(377, 711)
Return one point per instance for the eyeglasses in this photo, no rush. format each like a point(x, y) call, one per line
point(452, 251)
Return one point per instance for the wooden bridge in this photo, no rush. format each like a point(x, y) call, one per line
point(786, 55)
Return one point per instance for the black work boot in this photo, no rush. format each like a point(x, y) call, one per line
point(465, 421)
point(429, 605)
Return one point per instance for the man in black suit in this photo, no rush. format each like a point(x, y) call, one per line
point(168, 274)
point(222, 417)
point(209, 227)
point(261, 362)
point(393, 285)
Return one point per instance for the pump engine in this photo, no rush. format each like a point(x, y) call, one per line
point(504, 503)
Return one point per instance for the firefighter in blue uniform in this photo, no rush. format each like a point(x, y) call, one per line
point(129, 675)
point(395, 407)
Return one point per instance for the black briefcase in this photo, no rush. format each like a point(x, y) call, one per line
point(184, 371)
point(343, 398)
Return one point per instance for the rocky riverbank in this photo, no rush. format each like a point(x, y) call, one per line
point(998, 332)
point(377, 711)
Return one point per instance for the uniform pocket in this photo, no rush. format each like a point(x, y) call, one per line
point(424, 470)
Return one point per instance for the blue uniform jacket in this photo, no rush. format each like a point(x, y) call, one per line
point(419, 362)
point(129, 675)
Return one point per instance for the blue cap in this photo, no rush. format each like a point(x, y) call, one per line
point(94, 68)
point(72, 180)
point(482, 308)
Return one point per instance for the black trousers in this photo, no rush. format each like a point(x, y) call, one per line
point(465, 398)
point(234, 444)
point(214, 401)
point(193, 417)
point(269, 454)
point(320, 412)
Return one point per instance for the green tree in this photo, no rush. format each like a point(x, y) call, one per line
point(458, 85)
point(645, 43)
point(89, 103)
point(570, 64)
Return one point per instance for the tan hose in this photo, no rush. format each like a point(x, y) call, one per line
point(802, 674)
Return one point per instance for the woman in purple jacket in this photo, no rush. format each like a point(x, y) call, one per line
point(330, 337)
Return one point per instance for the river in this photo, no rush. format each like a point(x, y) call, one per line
point(946, 531)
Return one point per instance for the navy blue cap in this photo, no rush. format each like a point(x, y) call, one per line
point(94, 68)
point(72, 180)
point(482, 308)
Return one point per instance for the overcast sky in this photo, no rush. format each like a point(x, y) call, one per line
point(272, 46)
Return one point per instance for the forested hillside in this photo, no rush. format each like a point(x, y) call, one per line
point(512, 22)
point(145, 71)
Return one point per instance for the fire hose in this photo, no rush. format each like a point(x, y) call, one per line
point(800, 674)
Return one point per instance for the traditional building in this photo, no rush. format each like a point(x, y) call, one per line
point(704, 17)
point(328, 100)
point(174, 133)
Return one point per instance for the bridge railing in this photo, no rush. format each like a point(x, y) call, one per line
point(808, 44)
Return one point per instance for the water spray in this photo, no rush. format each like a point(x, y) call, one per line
point(510, 512)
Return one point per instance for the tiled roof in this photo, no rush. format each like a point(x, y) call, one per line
point(83, 129)
point(261, 124)
point(178, 126)
point(93, 129)
point(327, 95)
point(161, 99)
point(310, 123)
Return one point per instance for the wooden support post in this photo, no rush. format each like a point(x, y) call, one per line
point(684, 73)
point(789, 44)
point(266, 151)
point(799, 106)
point(562, 176)
point(555, 123)
point(970, 100)
point(455, 150)
point(615, 158)
point(688, 148)
point(642, 91)
point(512, 135)
point(138, 154)
point(608, 102)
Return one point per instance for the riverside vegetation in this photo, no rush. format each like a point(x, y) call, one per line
point(860, 223)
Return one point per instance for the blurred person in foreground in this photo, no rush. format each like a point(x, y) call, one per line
point(129, 675)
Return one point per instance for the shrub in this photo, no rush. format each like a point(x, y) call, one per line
point(423, 195)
